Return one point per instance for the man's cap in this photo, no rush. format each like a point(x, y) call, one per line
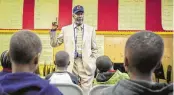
point(78, 8)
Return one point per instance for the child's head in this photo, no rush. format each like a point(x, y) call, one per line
point(104, 63)
point(62, 59)
point(5, 60)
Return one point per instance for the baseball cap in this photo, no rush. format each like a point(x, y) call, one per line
point(78, 8)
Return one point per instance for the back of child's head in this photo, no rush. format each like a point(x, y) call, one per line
point(5, 60)
point(104, 63)
point(62, 59)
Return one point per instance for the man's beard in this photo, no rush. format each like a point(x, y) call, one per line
point(79, 21)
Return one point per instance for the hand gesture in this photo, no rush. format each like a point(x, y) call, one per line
point(55, 25)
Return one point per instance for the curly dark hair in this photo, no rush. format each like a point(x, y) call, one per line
point(5, 60)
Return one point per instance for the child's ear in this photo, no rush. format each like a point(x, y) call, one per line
point(126, 64)
point(36, 60)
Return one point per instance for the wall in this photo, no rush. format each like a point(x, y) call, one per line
point(112, 15)
point(109, 17)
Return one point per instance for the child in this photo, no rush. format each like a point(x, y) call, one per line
point(62, 75)
point(107, 75)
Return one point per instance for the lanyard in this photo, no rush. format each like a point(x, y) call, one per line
point(75, 36)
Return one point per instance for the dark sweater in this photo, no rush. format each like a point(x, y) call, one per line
point(4, 72)
point(27, 84)
point(129, 87)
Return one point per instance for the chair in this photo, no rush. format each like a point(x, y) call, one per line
point(120, 67)
point(69, 89)
point(159, 73)
point(96, 90)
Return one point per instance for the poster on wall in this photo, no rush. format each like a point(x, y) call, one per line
point(5, 38)
point(47, 51)
point(100, 44)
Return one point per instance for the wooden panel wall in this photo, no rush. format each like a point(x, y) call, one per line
point(114, 48)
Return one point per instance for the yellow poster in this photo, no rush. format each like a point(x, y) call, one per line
point(47, 51)
point(46, 12)
point(5, 42)
point(11, 14)
point(167, 14)
point(131, 15)
point(100, 44)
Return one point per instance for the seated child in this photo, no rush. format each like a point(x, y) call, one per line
point(62, 75)
point(107, 75)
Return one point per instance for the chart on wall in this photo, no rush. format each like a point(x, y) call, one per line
point(47, 51)
point(100, 44)
point(5, 42)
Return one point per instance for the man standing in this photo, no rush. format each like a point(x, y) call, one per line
point(80, 44)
